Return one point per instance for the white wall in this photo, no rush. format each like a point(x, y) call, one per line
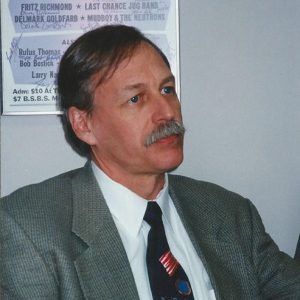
point(240, 72)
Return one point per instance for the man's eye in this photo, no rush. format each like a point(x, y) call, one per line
point(168, 90)
point(134, 99)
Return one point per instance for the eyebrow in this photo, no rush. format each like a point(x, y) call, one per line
point(129, 87)
point(170, 78)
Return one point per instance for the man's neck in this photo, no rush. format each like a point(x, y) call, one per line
point(146, 186)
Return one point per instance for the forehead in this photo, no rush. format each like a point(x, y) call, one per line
point(142, 65)
point(143, 60)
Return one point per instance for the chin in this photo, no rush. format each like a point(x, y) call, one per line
point(172, 165)
point(172, 169)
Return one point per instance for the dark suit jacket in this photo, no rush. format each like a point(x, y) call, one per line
point(59, 241)
point(297, 253)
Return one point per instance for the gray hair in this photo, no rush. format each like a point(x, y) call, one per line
point(172, 127)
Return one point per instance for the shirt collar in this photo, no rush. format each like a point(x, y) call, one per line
point(127, 208)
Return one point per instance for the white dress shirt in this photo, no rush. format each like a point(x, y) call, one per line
point(128, 209)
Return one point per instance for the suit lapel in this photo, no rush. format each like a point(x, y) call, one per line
point(203, 221)
point(103, 268)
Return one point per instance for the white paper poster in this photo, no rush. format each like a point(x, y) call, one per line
point(35, 34)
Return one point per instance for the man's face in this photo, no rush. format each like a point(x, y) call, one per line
point(138, 98)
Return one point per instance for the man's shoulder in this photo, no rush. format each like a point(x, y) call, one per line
point(188, 183)
point(207, 205)
point(40, 195)
point(199, 191)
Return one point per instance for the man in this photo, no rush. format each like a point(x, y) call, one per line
point(82, 235)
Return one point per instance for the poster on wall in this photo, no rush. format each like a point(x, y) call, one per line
point(35, 34)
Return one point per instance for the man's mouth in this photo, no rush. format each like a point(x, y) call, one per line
point(168, 139)
point(166, 133)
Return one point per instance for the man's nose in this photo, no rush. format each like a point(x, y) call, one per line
point(166, 108)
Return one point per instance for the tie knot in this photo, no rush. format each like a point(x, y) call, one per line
point(153, 214)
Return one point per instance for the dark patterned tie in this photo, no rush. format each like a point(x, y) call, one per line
point(167, 278)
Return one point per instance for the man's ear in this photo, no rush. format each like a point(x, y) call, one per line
point(79, 120)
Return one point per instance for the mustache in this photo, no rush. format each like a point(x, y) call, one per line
point(172, 127)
